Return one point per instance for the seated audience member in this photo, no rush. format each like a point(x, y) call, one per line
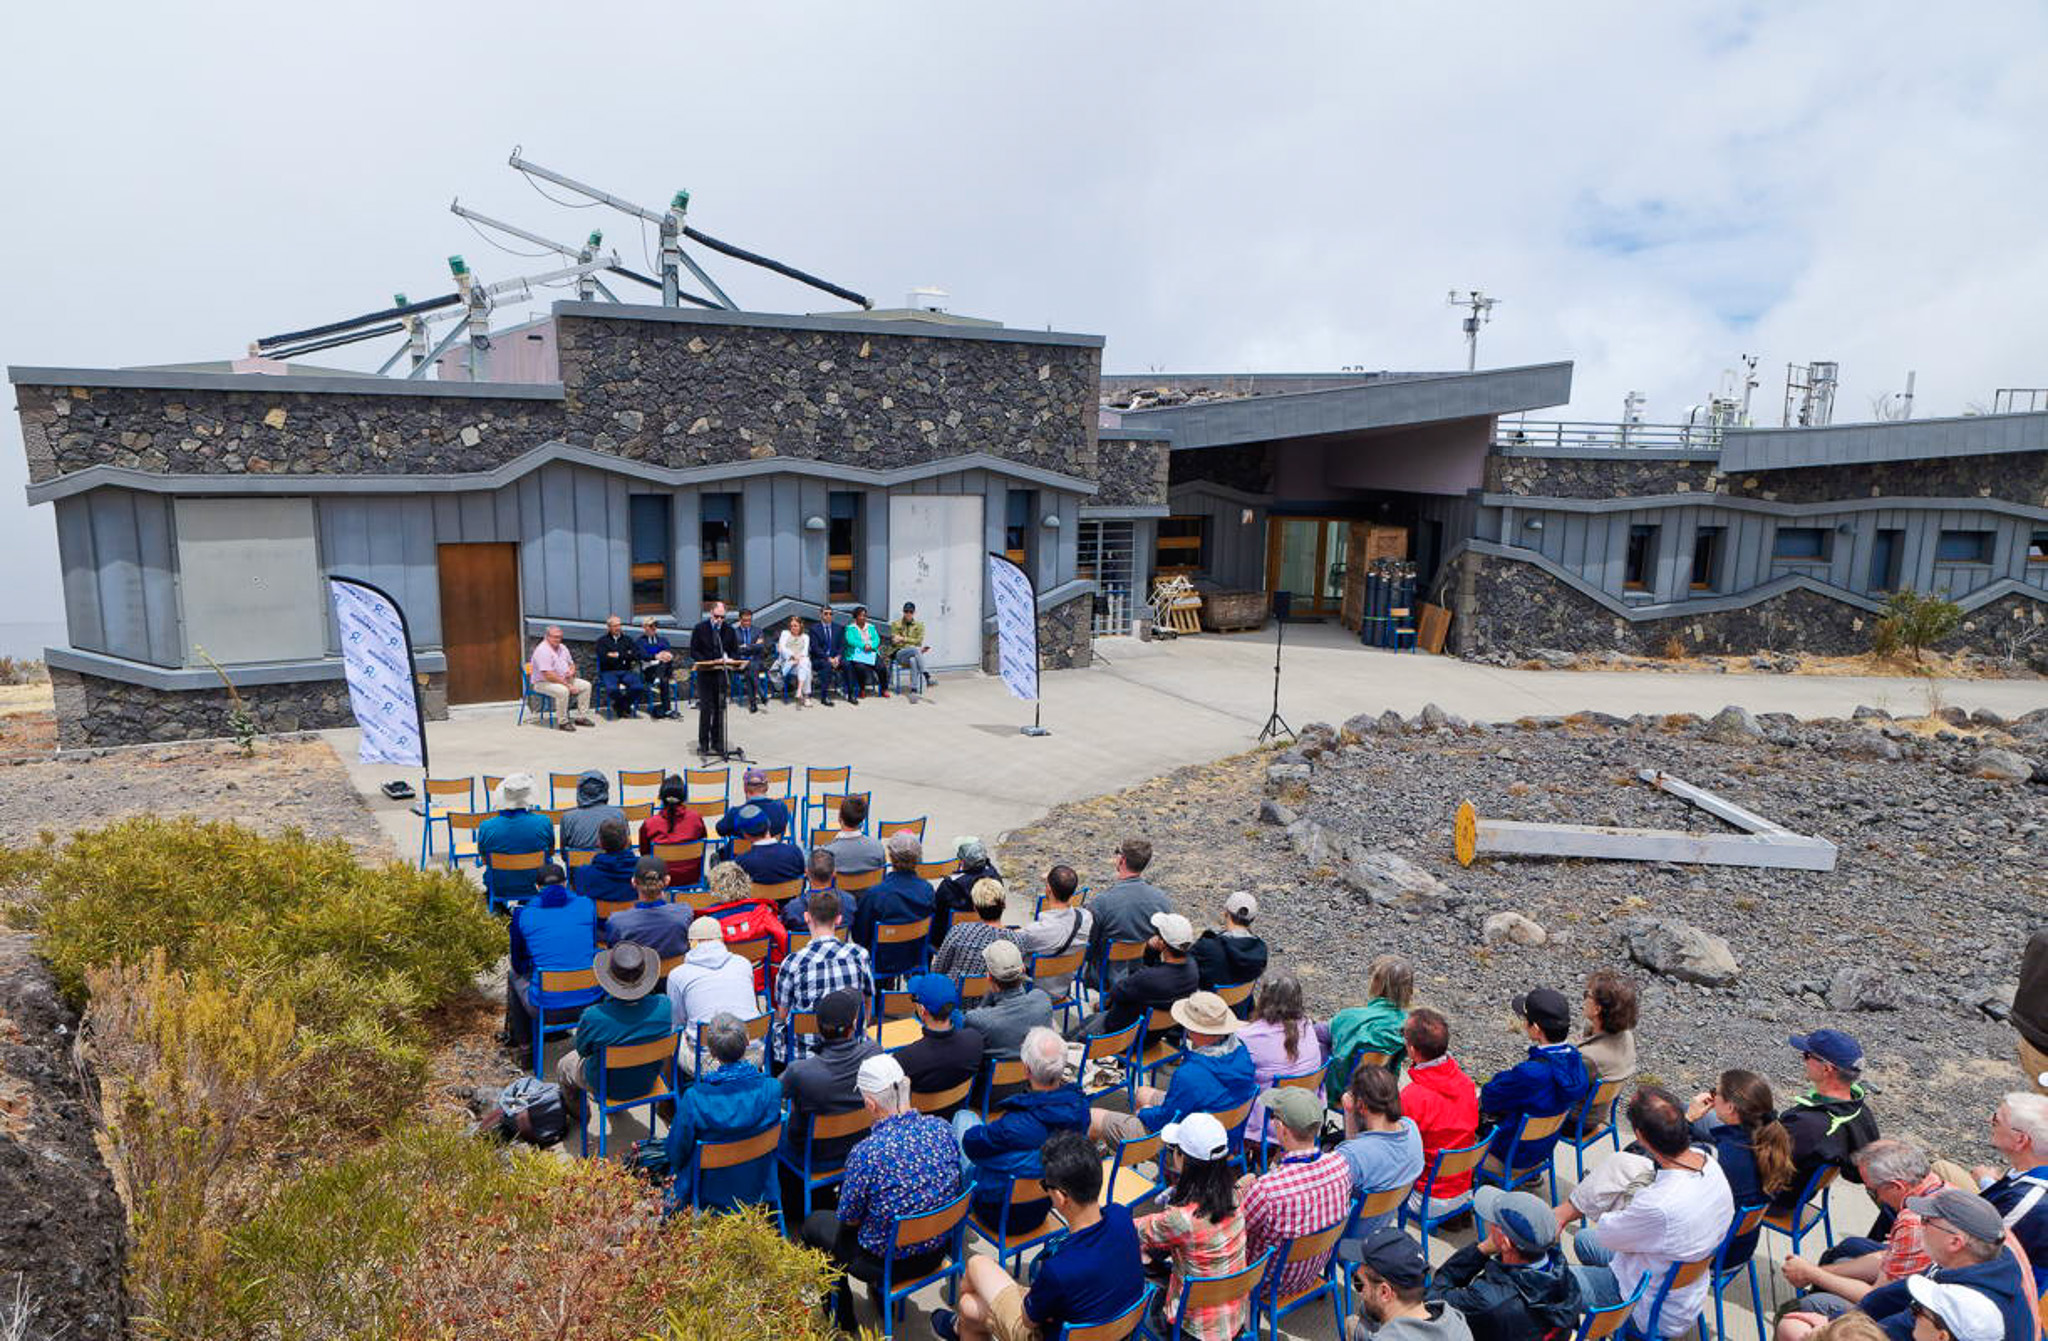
point(820, 874)
point(2019, 1132)
point(1952, 1312)
point(1443, 1103)
point(754, 650)
point(631, 1012)
point(1739, 1118)
point(1125, 910)
point(897, 898)
point(710, 981)
point(1092, 1274)
point(731, 1100)
point(1964, 1235)
point(554, 932)
point(1681, 1216)
point(1060, 928)
point(744, 918)
point(1006, 1146)
point(949, 1052)
point(960, 957)
point(858, 671)
point(674, 823)
point(657, 668)
point(593, 807)
point(1382, 1146)
point(1512, 1285)
point(1013, 1006)
point(1199, 1228)
point(514, 831)
point(653, 921)
point(906, 1166)
point(1830, 1122)
point(773, 859)
point(1153, 987)
point(1609, 1043)
point(1281, 1039)
point(1230, 955)
point(2030, 1011)
point(612, 876)
point(1893, 1172)
point(822, 1083)
point(1393, 1296)
point(827, 965)
point(954, 895)
point(1551, 1079)
point(754, 792)
point(1214, 1077)
point(1304, 1191)
point(823, 637)
point(551, 670)
point(618, 668)
point(1374, 1026)
point(854, 851)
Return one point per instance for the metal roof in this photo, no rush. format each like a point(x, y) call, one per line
point(1895, 440)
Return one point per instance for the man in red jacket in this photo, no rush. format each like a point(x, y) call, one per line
point(1444, 1103)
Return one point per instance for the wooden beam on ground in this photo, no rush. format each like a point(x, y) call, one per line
point(1712, 804)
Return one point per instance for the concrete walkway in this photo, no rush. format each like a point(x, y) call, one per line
point(1142, 710)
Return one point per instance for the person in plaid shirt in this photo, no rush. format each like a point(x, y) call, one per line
point(1893, 1172)
point(1200, 1227)
point(826, 965)
point(1306, 1192)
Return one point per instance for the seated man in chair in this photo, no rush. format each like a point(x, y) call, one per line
point(618, 668)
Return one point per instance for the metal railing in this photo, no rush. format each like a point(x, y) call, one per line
point(2019, 400)
point(1576, 435)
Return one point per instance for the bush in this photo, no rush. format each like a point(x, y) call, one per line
point(1913, 622)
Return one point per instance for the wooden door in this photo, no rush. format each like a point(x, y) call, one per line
point(480, 624)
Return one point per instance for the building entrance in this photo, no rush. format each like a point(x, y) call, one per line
point(936, 559)
point(480, 631)
point(1305, 556)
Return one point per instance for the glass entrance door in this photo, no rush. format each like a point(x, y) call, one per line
point(1305, 556)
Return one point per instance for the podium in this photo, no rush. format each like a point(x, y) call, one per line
point(714, 694)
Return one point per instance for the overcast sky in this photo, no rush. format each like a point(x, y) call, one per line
point(1650, 189)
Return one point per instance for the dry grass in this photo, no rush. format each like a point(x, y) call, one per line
point(1935, 666)
point(19, 700)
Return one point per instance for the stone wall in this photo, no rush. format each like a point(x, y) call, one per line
point(1569, 477)
point(1064, 640)
point(2016, 477)
point(1132, 472)
point(95, 711)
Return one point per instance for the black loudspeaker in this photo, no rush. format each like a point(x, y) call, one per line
point(1283, 605)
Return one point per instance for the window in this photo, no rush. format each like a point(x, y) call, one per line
point(1017, 524)
point(719, 517)
point(1804, 543)
point(1640, 559)
point(648, 515)
point(842, 545)
point(1706, 557)
point(1179, 547)
point(1885, 548)
point(2037, 547)
point(1963, 547)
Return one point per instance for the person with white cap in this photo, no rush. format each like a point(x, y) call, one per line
point(1199, 1228)
point(631, 1012)
point(1153, 987)
point(1952, 1312)
point(1512, 1284)
point(710, 980)
point(1232, 954)
point(1214, 1076)
point(514, 831)
point(1965, 1236)
point(906, 1166)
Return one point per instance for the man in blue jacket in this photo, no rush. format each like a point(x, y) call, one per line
point(1007, 1146)
point(1215, 1076)
point(555, 931)
point(608, 877)
point(899, 896)
point(771, 860)
point(1551, 1079)
point(754, 792)
point(514, 831)
point(730, 1100)
point(1965, 1236)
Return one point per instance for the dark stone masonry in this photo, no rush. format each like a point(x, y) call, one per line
point(1131, 472)
point(1064, 641)
point(2015, 477)
point(1569, 477)
point(95, 711)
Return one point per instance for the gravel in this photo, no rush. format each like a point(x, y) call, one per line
point(1911, 942)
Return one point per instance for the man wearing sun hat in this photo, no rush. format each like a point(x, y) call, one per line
point(631, 1012)
point(1511, 1284)
point(1215, 1076)
point(514, 831)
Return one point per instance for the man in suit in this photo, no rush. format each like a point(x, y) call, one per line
point(711, 640)
point(827, 640)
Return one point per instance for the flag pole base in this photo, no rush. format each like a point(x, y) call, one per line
point(1033, 731)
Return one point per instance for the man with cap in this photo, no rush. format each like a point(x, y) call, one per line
point(1392, 1283)
point(1830, 1122)
point(1013, 1007)
point(906, 1166)
point(1511, 1285)
point(1215, 1075)
point(554, 932)
point(1551, 1079)
point(754, 792)
point(950, 1051)
point(711, 980)
point(1964, 1234)
point(907, 634)
point(1125, 910)
point(2019, 1132)
point(631, 1012)
point(652, 921)
point(1953, 1312)
point(514, 831)
point(1304, 1191)
point(822, 968)
point(731, 1100)
point(1231, 955)
point(822, 1083)
point(954, 894)
point(1155, 986)
point(1007, 1145)
point(773, 859)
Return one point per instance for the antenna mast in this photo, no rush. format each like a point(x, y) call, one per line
point(1479, 309)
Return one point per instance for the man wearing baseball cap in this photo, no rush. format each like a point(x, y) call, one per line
point(1511, 1285)
point(1152, 987)
point(1551, 1079)
point(1965, 1236)
point(949, 1052)
point(1393, 1302)
point(1304, 1191)
point(1215, 1075)
point(754, 792)
point(772, 859)
point(1232, 954)
point(1830, 1122)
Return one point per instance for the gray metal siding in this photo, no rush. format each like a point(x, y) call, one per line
point(390, 542)
point(119, 558)
point(1903, 440)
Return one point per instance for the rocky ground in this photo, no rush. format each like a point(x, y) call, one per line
point(1911, 942)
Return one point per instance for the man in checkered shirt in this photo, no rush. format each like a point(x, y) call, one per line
point(1305, 1192)
point(826, 965)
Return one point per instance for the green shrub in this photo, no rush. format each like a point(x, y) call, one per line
point(1913, 622)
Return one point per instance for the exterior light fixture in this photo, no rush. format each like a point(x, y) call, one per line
point(1534, 523)
point(1244, 517)
point(1052, 521)
point(814, 523)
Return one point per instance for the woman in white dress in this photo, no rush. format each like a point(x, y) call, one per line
point(793, 655)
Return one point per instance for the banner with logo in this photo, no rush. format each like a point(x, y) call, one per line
point(1016, 626)
point(376, 653)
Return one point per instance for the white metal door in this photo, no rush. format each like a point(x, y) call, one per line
point(936, 559)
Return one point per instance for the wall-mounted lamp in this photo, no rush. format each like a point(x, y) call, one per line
point(1052, 521)
point(1845, 529)
point(814, 523)
point(1534, 523)
point(1245, 517)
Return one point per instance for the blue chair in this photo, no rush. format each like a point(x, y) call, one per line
point(1161, 1048)
point(1329, 1282)
point(948, 1222)
point(1068, 965)
point(642, 697)
point(1121, 1181)
point(1797, 1223)
point(1599, 1110)
point(1747, 1218)
point(1520, 1166)
point(1678, 1277)
point(1234, 1121)
point(1369, 1206)
point(513, 863)
point(1121, 1044)
point(823, 1127)
point(1601, 1323)
point(817, 782)
point(543, 707)
point(740, 1153)
point(1119, 1328)
point(1310, 1080)
point(1209, 1291)
point(1080, 898)
point(432, 790)
point(1007, 1075)
point(1122, 955)
point(575, 988)
point(1008, 1241)
point(661, 1053)
point(1447, 1164)
point(757, 1027)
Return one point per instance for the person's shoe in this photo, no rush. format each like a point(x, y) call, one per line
point(565, 725)
point(945, 1324)
point(584, 719)
point(912, 696)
